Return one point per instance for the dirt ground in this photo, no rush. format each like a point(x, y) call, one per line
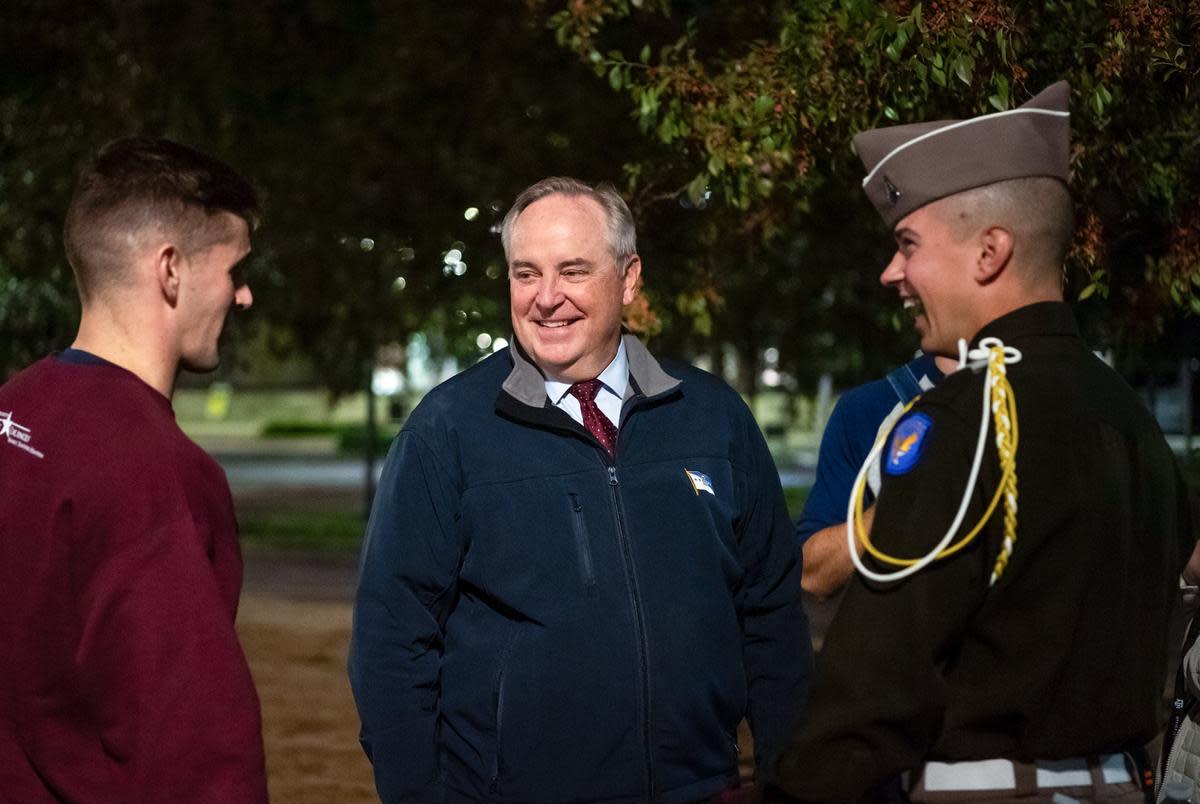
point(294, 622)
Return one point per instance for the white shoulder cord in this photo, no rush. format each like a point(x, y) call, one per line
point(974, 359)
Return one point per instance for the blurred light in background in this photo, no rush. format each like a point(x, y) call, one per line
point(386, 381)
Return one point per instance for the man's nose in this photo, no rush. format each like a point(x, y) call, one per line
point(243, 298)
point(548, 293)
point(894, 272)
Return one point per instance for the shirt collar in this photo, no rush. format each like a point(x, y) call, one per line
point(615, 377)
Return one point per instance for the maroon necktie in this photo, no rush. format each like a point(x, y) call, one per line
point(596, 422)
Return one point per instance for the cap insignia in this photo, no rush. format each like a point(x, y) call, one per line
point(893, 193)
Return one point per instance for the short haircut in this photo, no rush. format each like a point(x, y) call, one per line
point(622, 234)
point(138, 184)
point(1036, 209)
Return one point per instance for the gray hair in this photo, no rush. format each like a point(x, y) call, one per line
point(622, 235)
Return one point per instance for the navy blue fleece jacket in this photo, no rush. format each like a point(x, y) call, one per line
point(537, 621)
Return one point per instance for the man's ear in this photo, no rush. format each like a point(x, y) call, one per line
point(995, 253)
point(168, 267)
point(633, 272)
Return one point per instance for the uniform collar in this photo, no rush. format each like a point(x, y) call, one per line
point(1040, 318)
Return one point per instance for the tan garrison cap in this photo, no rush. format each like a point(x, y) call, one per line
point(910, 166)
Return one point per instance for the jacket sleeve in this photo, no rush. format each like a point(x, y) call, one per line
point(880, 694)
point(776, 645)
point(408, 578)
point(160, 663)
point(836, 468)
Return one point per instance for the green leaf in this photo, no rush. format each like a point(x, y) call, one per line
point(649, 103)
point(890, 113)
point(1087, 291)
point(938, 75)
point(645, 55)
point(696, 188)
point(997, 103)
point(1002, 89)
point(667, 130)
point(715, 165)
point(963, 68)
point(614, 77)
point(896, 48)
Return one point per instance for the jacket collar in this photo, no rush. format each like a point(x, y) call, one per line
point(526, 384)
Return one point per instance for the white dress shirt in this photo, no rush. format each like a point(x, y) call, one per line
point(613, 382)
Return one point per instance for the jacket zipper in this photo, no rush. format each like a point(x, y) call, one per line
point(639, 628)
point(1170, 758)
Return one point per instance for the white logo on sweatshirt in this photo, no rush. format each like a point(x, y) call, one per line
point(16, 435)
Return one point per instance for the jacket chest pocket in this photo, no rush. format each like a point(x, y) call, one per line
point(583, 545)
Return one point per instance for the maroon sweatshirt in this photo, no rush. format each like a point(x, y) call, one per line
point(121, 676)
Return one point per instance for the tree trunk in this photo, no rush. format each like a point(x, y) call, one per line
point(369, 447)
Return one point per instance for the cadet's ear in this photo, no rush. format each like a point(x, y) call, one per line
point(168, 264)
point(995, 252)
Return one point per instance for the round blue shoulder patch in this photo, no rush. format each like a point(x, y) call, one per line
point(908, 439)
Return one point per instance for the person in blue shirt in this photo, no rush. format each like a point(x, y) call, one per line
point(857, 420)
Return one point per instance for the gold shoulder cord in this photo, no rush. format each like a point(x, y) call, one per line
point(1004, 419)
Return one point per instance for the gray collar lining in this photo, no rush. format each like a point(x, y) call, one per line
point(527, 385)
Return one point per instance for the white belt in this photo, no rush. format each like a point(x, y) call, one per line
point(1000, 774)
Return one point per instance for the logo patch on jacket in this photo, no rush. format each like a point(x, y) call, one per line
point(16, 435)
point(700, 482)
point(908, 440)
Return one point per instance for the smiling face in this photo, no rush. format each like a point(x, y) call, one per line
point(566, 289)
point(933, 273)
point(211, 286)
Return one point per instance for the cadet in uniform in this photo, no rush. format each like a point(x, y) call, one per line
point(1025, 658)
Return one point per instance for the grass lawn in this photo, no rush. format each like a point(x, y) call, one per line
point(338, 528)
point(302, 531)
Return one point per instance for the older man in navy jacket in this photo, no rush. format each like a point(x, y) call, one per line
point(579, 575)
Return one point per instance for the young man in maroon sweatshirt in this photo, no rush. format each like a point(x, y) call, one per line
point(121, 676)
